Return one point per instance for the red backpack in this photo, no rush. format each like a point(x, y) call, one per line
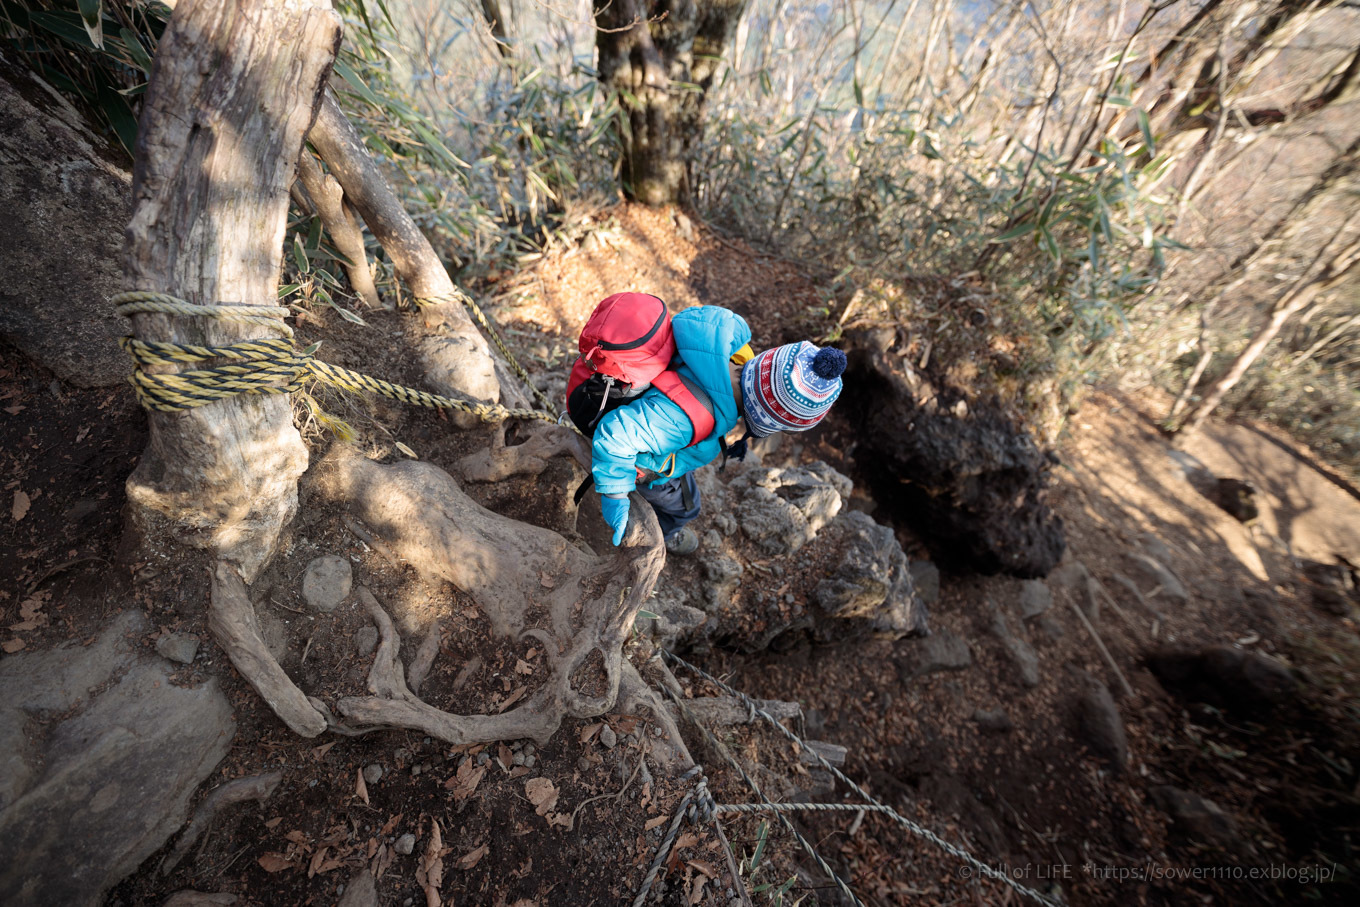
point(627, 347)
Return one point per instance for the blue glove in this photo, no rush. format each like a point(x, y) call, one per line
point(616, 515)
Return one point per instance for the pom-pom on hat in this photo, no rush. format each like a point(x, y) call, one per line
point(790, 387)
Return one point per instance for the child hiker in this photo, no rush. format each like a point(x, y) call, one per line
point(654, 439)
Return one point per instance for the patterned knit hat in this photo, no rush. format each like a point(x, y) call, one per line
point(790, 387)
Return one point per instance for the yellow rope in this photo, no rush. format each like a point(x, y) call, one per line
point(263, 366)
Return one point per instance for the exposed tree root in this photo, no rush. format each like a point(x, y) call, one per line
point(232, 621)
point(499, 461)
point(255, 787)
point(424, 660)
point(511, 568)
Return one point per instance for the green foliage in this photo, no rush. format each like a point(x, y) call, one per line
point(497, 174)
point(97, 51)
point(876, 195)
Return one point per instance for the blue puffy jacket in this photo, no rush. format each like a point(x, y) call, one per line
point(645, 433)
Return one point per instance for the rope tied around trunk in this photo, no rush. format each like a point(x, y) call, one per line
point(259, 366)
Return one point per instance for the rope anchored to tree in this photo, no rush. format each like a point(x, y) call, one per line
point(260, 366)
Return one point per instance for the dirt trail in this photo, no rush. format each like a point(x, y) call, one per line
point(1035, 796)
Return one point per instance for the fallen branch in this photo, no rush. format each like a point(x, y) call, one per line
point(1109, 659)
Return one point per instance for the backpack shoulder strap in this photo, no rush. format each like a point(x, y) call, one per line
point(690, 397)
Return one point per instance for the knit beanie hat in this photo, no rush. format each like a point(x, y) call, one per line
point(790, 387)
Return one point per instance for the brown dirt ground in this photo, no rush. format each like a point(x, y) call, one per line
point(1033, 798)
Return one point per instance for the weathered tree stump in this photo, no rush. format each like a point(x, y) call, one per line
point(233, 92)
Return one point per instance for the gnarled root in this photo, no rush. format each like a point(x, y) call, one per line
point(510, 568)
point(500, 461)
point(232, 621)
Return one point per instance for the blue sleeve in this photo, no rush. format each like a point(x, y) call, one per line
point(652, 424)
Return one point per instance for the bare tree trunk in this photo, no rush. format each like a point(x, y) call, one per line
point(456, 358)
point(234, 89)
point(338, 218)
point(492, 10)
point(1304, 291)
point(645, 48)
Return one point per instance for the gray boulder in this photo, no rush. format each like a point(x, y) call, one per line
point(1201, 820)
point(782, 509)
point(994, 720)
point(66, 195)
point(1034, 598)
point(1234, 679)
point(1100, 723)
point(940, 651)
point(1020, 651)
point(94, 793)
point(871, 584)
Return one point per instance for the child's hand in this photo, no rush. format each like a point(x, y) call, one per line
point(616, 515)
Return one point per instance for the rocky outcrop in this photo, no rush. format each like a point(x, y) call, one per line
point(102, 753)
point(960, 473)
point(871, 584)
point(781, 510)
point(1238, 681)
point(66, 196)
point(753, 591)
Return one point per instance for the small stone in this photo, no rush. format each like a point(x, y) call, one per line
point(327, 582)
point(483, 758)
point(712, 540)
point(583, 764)
point(373, 773)
point(1101, 724)
point(180, 647)
point(415, 770)
point(1051, 627)
point(405, 844)
point(1019, 650)
point(530, 760)
point(1035, 598)
point(517, 759)
point(529, 749)
point(994, 720)
point(788, 598)
point(940, 651)
point(608, 739)
point(365, 641)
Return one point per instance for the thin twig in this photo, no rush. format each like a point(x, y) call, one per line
point(642, 757)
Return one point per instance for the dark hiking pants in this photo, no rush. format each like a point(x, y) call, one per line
point(676, 502)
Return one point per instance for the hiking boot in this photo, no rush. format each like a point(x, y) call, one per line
point(682, 542)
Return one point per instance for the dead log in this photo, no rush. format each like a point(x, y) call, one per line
point(234, 89)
